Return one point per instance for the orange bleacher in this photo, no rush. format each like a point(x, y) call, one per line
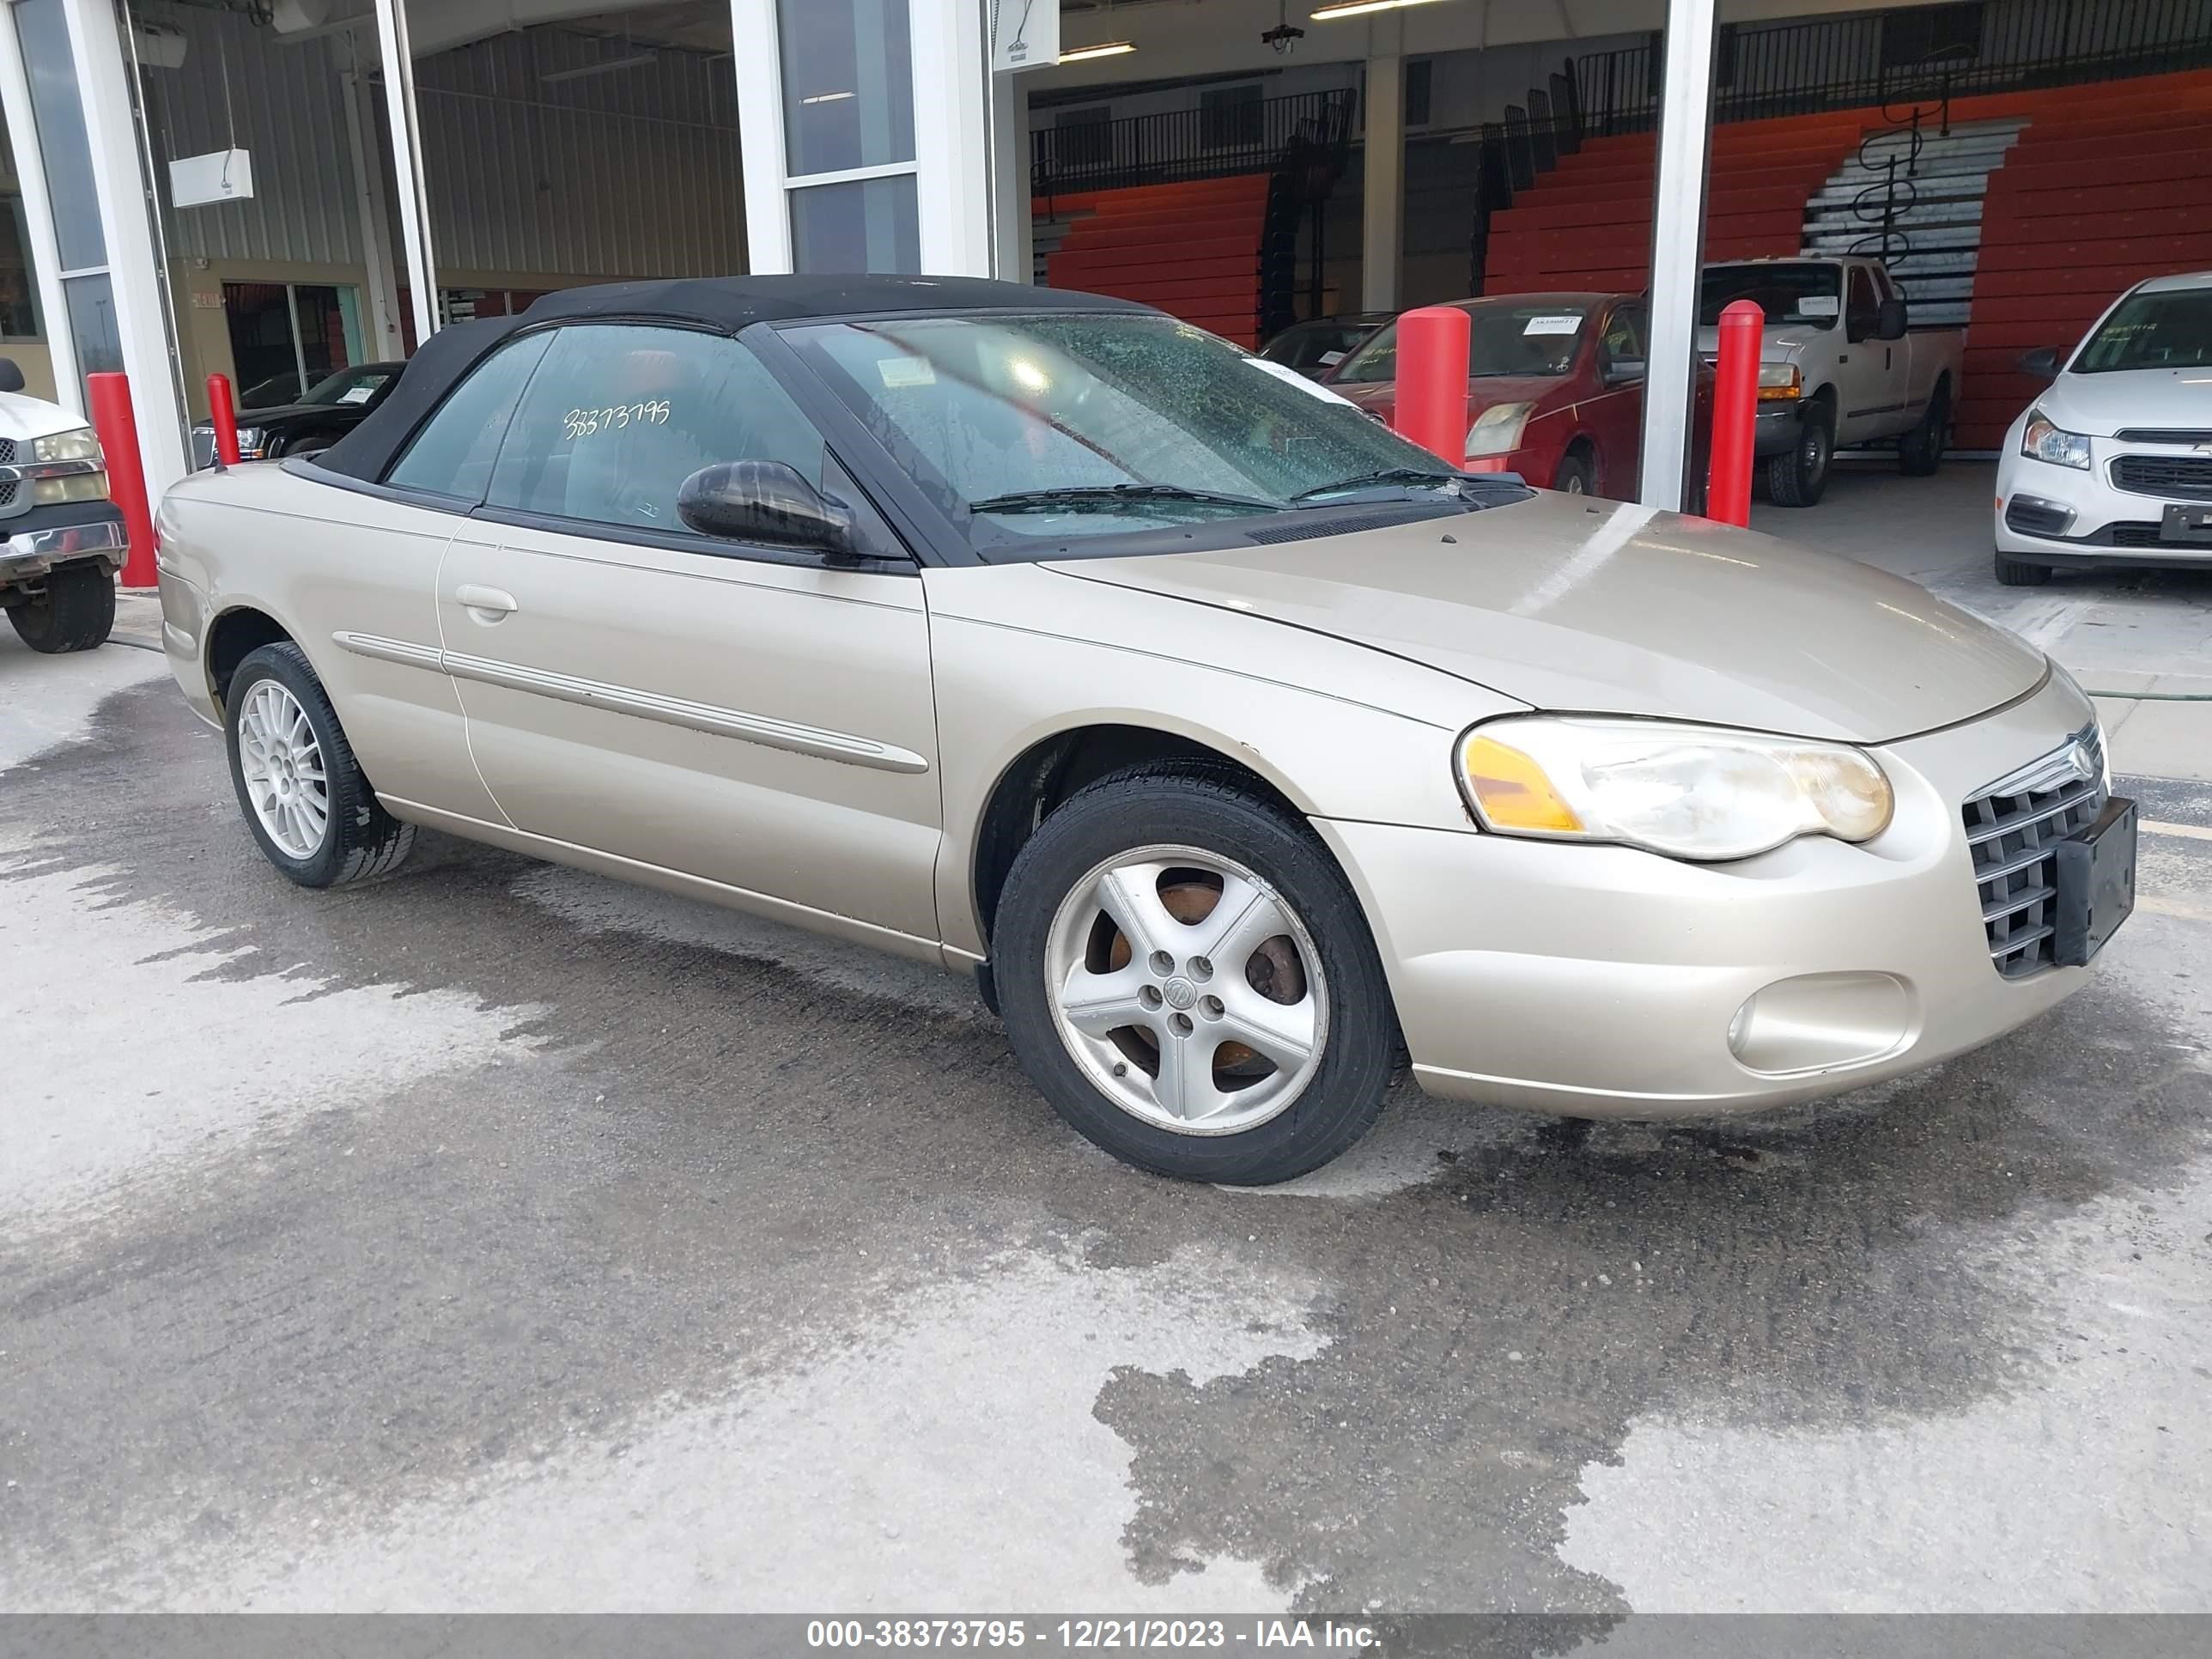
point(1191, 249)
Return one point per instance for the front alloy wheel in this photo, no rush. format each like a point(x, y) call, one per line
point(1189, 979)
point(283, 766)
point(1187, 991)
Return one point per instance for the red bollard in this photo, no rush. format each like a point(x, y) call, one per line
point(1735, 413)
point(117, 428)
point(222, 415)
point(1433, 365)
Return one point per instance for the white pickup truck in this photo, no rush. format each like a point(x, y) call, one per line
point(1839, 367)
point(62, 540)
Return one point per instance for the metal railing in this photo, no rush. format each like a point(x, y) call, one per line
point(1850, 62)
point(1176, 145)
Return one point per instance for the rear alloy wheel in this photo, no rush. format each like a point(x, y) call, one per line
point(2021, 573)
point(75, 612)
point(1189, 981)
point(1798, 477)
point(304, 796)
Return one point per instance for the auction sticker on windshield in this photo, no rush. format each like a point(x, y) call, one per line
point(1292, 377)
point(1553, 326)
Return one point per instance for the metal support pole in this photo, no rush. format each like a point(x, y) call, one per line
point(1678, 240)
point(407, 164)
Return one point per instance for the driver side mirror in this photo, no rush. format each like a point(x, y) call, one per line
point(11, 375)
point(2042, 362)
point(1889, 320)
point(1624, 371)
point(767, 504)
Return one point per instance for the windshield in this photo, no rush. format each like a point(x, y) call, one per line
point(348, 385)
point(1514, 337)
point(2168, 330)
point(1314, 345)
point(1808, 295)
point(1064, 425)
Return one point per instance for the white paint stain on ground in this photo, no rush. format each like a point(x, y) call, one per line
point(950, 1458)
point(98, 1108)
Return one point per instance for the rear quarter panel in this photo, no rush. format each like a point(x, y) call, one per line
point(323, 562)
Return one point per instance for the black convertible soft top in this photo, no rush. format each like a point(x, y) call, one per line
point(725, 304)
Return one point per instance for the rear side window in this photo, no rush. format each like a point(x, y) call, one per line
point(454, 451)
point(619, 415)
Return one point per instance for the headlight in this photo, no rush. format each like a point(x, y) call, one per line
point(1497, 429)
point(81, 444)
point(1780, 380)
point(2043, 441)
point(1687, 791)
point(249, 443)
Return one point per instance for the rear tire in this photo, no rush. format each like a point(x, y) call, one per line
point(1130, 1028)
point(76, 613)
point(2021, 573)
point(1799, 476)
point(301, 790)
point(1920, 451)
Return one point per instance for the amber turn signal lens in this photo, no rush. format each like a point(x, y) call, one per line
point(1511, 790)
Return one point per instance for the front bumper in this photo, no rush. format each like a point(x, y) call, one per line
point(1774, 431)
point(1602, 981)
point(2064, 515)
point(46, 537)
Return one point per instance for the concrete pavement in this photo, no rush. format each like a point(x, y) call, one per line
point(494, 1237)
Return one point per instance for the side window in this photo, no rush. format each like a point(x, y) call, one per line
point(620, 415)
point(454, 451)
point(1862, 309)
point(1623, 336)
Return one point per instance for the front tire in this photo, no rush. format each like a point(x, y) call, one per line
point(1576, 475)
point(76, 613)
point(2019, 573)
point(301, 790)
point(1798, 477)
point(1189, 979)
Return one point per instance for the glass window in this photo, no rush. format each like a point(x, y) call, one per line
point(869, 224)
point(1515, 337)
point(618, 416)
point(847, 85)
point(2166, 329)
point(1156, 423)
point(1809, 295)
point(19, 288)
point(91, 301)
point(59, 113)
point(1863, 308)
point(453, 452)
point(1624, 335)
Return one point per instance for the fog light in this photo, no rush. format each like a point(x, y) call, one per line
point(2033, 515)
point(1822, 1022)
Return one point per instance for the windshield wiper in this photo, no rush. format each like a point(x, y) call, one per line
point(1108, 498)
point(1388, 475)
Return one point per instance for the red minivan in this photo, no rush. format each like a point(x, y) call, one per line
point(1555, 392)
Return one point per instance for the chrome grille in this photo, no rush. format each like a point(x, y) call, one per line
point(7, 451)
point(203, 448)
point(8, 493)
point(2014, 828)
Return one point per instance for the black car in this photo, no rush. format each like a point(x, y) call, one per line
point(332, 407)
point(1318, 344)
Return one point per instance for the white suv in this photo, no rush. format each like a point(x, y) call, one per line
point(2113, 465)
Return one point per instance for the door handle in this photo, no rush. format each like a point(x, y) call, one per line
point(485, 604)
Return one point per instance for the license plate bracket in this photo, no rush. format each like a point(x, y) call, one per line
point(2096, 884)
point(2187, 521)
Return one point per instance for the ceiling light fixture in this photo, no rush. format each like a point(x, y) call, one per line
point(829, 98)
point(1111, 49)
point(1362, 8)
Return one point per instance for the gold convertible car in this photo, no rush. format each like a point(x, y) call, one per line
point(1238, 747)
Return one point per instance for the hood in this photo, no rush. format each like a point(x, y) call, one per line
point(2101, 405)
point(1608, 608)
point(1380, 397)
point(1776, 345)
point(22, 417)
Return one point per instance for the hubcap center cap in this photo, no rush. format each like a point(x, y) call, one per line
point(1180, 992)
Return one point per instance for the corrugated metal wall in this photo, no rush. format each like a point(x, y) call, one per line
point(633, 173)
